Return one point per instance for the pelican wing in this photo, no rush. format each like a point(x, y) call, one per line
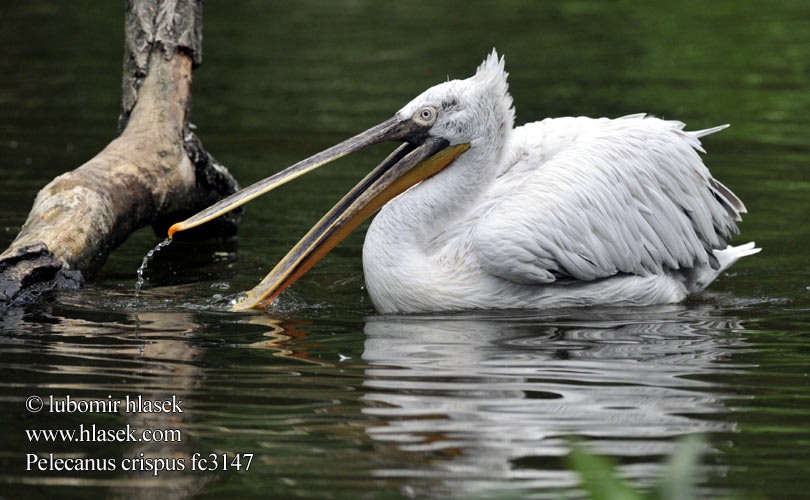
point(585, 199)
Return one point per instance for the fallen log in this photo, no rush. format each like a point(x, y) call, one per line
point(154, 173)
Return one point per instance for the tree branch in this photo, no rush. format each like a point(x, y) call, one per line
point(153, 173)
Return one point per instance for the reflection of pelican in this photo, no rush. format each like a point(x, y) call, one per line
point(490, 398)
point(570, 211)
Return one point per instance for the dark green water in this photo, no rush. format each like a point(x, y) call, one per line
point(334, 401)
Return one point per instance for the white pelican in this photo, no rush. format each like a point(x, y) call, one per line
point(556, 213)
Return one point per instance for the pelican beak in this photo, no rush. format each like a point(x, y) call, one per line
point(394, 129)
point(417, 159)
point(406, 166)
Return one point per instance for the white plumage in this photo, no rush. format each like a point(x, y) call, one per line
point(560, 212)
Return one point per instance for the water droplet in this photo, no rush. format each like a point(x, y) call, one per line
point(144, 262)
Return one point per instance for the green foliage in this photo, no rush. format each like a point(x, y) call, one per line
point(602, 482)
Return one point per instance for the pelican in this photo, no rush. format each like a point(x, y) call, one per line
point(477, 214)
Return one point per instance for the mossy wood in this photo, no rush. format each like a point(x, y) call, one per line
point(154, 173)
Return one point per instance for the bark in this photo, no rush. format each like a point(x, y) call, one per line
point(154, 173)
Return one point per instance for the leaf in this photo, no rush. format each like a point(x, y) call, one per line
point(680, 475)
point(598, 476)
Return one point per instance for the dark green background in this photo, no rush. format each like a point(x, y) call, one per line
point(471, 405)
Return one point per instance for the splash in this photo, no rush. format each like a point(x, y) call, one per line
point(144, 262)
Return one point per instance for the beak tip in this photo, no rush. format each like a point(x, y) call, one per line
point(242, 304)
point(175, 227)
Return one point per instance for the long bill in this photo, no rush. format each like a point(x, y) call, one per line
point(393, 129)
point(406, 166)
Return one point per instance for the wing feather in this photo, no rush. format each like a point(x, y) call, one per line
point(589, 198)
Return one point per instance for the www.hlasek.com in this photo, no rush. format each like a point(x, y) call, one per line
point(96, 434)
point(93, 434)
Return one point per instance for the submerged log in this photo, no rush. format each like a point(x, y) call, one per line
point(155, 173)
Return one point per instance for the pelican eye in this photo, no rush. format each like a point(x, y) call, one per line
point(425, 116)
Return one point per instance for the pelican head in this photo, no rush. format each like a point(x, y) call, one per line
point(473, 111)
point(435, 128)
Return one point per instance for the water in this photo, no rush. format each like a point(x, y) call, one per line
point(140, 281)
point(335, 401)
